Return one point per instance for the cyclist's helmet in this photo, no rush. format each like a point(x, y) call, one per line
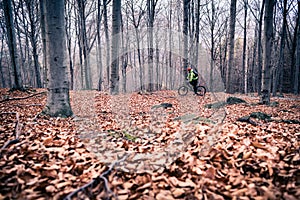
point(189, 68)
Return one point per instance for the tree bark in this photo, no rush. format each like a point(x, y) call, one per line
point(268, 34)
point(136, 23)
point(84, 44)
point(229, 88)
point(69, 43)
point(297, 71)
point(197, 32)
point(99, 63)
point(33, 40)
point(124, 56)
point(259, 50)
point(185, 35)
point(107, 40)
point(80, 49)
point(99, 52)
point(116, 17)
point(244, 80)
point(179, 26)
point(212, 48)
point(26, 71)
point(3, 83)
point(293, 50)
point(254, 61)
point(278, 80)
point(158, 69)
point(151, 13)
point(58, 100)
point(223, 57)
point(43, 34)
point(172, 70)
point(18, 84)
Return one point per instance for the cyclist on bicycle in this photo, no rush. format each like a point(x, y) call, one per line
point(193, 79)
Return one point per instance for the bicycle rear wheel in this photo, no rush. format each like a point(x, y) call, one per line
point(201, 90)
point(183, 90)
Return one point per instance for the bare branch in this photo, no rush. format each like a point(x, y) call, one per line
point(96, 180)
point(17, 131)
point(22, 98)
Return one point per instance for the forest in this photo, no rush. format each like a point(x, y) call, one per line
point(155, 40)
point(91, 105)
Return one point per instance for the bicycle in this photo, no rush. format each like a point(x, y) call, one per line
point(183, 90)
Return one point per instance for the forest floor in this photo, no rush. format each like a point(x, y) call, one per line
point(150, 146)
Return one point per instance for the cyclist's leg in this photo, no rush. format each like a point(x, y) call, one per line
point(194, 84)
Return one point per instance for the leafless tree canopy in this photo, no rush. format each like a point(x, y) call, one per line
point(147, 44)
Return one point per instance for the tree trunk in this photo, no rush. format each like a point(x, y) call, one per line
point(107, 40)
point(84, 44)
point(172, 70)
point(43, 34)
point(137, 35)
point(253, 80)
point(33, 40)
point(223, 57)
point(151, 13)
point(80, 62)
point(99, 63)
point(99, 52)
point(12, 44)
point(69, 43)
point(296, 77)
point(116, 21)
point(259, 50)
point(212, 48)
point(197, 30)
point(268, 34)
point(293, 50)
point(191, 25)
point(158, 74)
point(166, 66)
point(185, 35)
point(136, 79)
point(25, 70)
point(80, 53)
point(3, 84)
point(136, 23)
point(279, 71)
point(124, 56)
point(58, 100)
point(229, 88)
point(244, 80)
point(179, 26)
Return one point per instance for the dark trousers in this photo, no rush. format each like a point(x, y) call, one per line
point(194, 84)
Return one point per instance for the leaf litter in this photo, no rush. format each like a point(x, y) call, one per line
point(55, 157)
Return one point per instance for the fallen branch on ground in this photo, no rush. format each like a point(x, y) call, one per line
point(22, 98)
point(97, 180)
point(17, 130)
point(27, 105)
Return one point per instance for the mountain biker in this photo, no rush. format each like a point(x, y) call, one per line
point(193, 79)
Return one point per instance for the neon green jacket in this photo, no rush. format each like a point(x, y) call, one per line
point(192, 76)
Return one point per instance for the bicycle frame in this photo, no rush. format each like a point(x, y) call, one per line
point(186, 87)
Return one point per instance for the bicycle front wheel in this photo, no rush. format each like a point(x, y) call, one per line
point(201, 90)
point(183, 90)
